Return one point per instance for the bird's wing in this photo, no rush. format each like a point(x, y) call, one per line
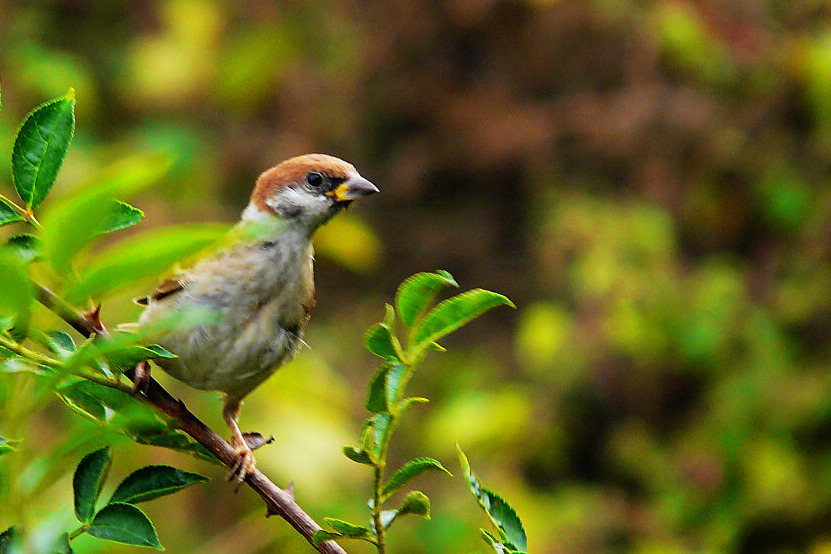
point(166, 288)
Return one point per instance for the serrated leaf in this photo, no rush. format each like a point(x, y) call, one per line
point(383, 390)
point(152, 482)
point(378, 340)
point(501, 514)
point(349, 530)
point(8, 445)
point(87, 482)
point(143, 256)
point(8, 214)
point(417, 292)
point(506, 518)
point(320, 536)
point(28, 247)
point(121, 217)
point(455, 312)
point(408, 472)
point(40, 148)
point(126, 524)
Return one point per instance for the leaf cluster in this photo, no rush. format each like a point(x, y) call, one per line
point(424, 325)
point(119, 520)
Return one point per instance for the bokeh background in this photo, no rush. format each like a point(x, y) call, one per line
point(648, 181)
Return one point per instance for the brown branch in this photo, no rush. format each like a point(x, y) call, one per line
point(278, 501)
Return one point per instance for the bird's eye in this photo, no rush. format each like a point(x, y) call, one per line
point(314, 178)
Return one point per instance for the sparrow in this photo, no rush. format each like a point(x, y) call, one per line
point(253, 296)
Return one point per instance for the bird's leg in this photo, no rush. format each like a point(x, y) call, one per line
point(245, 458)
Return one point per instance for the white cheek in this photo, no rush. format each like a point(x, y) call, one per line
point(253, 213)
point(295, 200)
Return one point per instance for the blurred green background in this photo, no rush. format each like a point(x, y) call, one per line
point(648, 181)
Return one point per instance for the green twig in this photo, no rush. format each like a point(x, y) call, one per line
point(27, 215)
point(77, 532)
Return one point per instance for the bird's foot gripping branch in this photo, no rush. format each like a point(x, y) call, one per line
point(92, 371)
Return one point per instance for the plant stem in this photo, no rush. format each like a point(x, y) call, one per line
point(30, 355)
point(40, 359)
point(77, 532)
point(27, 216)
point(380, 532)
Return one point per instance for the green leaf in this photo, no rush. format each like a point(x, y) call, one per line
point(320, 536)
point(415, 503)
point(83, 403)
point(408, 472)
point(376, 399)
point(378, 340)
point(74, 222)
point(122, 216)
point(40, 148)
point(455, 312)
point(87, 482)
point(176, 440)
point(70, 225)
point(7, 213)
point(126, 524)
point(349, 530)
point(379, 430)
point(60, 343)
point(129, 356)
point(501, 514)
point(418, 291)
point(358, 456)
point(28, 247)
point(8, 445)
point(9, 541)
point(392, 384)
point(143, 256)
point(17, 293)
point(152, 482)
point(383, 390)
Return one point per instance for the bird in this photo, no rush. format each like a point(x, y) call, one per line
point(252, 297)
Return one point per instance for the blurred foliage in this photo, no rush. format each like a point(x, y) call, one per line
point(647, 181)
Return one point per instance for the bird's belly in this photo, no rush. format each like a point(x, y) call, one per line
point(230, 357)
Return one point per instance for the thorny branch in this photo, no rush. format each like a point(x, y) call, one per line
point(278, 501)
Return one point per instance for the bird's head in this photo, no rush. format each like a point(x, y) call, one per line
point(307, 190)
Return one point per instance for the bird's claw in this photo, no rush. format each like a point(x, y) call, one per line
point(244, 465)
